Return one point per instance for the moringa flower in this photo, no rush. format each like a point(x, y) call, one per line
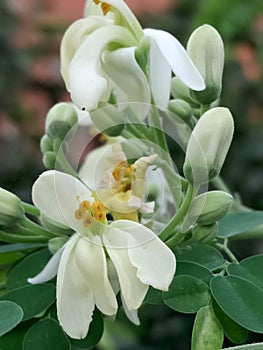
point(98, 59)
point(97, 256)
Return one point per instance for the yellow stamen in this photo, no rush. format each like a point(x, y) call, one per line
point(96, 2)
point(80, 214)
point(84, 205)
point(88, 221)
point(97, 206)
point(105, 8)
point(129, 170)
point(100, 215)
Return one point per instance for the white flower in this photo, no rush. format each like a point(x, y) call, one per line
point(98, 58)
point(86, 276)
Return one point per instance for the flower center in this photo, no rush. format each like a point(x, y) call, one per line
point(104, 6)
point(123, 173)
point(88, 212)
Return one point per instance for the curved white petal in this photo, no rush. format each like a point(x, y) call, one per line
point(58, 195)
point(50, 270)
point(97, 163)
point(132, 289)
point(177, 57)
point(122, 67)
point(75, 303)
point(154, 261)
point(91, 261)
point(87, 84)
point(131, 314)
point(74, 37)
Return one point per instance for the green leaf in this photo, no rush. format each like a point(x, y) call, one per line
point(94, 335)
point(10, 258)
point(240, 300)
point(17, 247)
point(154, 296)
point(201, 254)
point(207, 332)
point(33, 299)
point(186, 294)
point(194, 270)
point(30, 266)
point(234, 223)
point(249, 269)
point(11, 315)
point(236, 333)
point(255, 346)
point(46, 334)
point(13, 340)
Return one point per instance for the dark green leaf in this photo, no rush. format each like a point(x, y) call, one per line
point(28, 267)
point(186, 294)
point(10, 315)
point(236, 333)
point(201, 254)
point(10, 258)
point(235, 223)
point(240, 300)
point(94, 335)
point(207, 332)
point(7, 248)
point(13, 340)
point(194, 270)
point(154, 296)
point(33, 299)
point(249, 269)
point(255, 346)
point(46, 334)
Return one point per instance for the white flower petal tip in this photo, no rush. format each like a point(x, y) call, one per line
point(177, 58)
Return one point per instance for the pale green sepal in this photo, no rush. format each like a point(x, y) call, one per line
point(56, 243)
point(11, 209)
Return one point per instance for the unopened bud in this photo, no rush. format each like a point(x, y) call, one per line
point(180, 91)
point(142, 52)
point(61, 118)
point(46, 144)
point(209, 207)
point(206, 49)
point(49, 160)
point(180, 108)
point(108, 120)
point(11, 209)
point(208, 146)
point(205, 234)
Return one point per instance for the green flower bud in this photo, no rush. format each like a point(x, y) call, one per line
point(46, 144)
point(11, 209)
point(180, 108)
point(142, 53)
point(108, 119)
point(61, 118)
point(180, 91)
point(205, 234)
point(49, 160)
point(54, 244)
point(208, 146)
point(209, 207)
point(206, 49)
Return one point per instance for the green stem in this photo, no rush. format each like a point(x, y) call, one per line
point(227, 251)
point(14, 238)
point(31, 209)
point(178, 217)
point(37, 229)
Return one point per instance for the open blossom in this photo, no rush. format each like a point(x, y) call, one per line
point(98, 58)
point(100, 259)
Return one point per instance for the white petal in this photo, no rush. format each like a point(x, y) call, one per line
point(122, 67)
point(75, 303)
point(50, 270)
point(131, 314)
point(91, 260)
point(154, 261)
point(177, 57)
point(132, 289)
point(96, 164)
point(58, 195)
point(74, 37)
point(87, 83)
point(147, 208)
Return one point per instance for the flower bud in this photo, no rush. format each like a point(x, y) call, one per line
point(46, 144)
point(49, 160)
point(180, 108)
point(208, 146)
point(61, 118)
point(142, 52)
point(11, 209)
point(180, 91)
point(108, 120)
point(205, 234)
point(209, 207)
point(206, 49)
